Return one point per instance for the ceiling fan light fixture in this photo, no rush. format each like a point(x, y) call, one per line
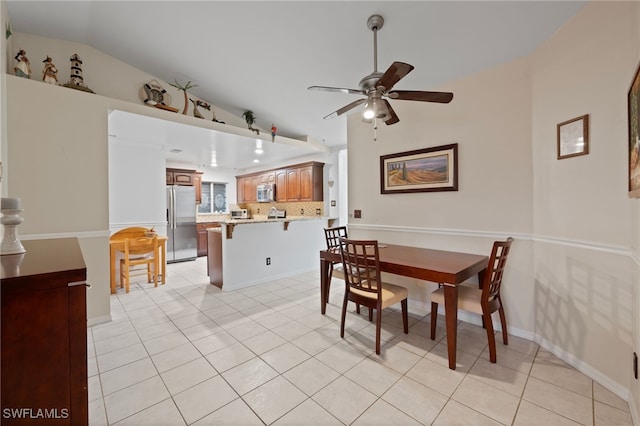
point(370, 108)
point(369, 112)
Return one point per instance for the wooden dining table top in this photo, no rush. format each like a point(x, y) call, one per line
point(440, 266)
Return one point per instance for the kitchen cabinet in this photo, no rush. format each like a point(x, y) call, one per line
point(202, 236)
point(281, 185)
point(44, 332)
point(300, 182)
point(180, 177)
point(197, 183)
point(293, 184)
point(267, 177)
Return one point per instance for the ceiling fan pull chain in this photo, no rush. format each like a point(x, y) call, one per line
point(375, 129)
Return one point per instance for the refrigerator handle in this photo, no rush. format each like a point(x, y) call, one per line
point(171, 210)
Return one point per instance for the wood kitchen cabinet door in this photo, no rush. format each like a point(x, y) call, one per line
point(306, 184)
point(250, 183)
point(281, 185)
point(268, 177)
point(197, 183)
point(240, 190)
point(293, 184)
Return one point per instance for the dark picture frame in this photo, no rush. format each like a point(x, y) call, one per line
point(633, 120)
point(573, 137)
point(423, 170)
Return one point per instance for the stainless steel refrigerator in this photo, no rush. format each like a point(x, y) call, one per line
point(182, 241)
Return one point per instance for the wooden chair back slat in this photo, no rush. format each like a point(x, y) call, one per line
point(495, 269)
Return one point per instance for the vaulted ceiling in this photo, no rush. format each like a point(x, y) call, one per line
point(263, 55)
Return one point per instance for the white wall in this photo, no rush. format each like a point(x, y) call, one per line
point(137, 185)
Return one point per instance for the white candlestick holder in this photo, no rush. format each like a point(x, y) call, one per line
point(11, 244)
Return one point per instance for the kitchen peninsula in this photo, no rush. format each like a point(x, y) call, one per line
point(246, 252)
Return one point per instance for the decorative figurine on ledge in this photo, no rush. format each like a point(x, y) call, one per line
point(49, 72)
point(274, 130)
point(250, 118)
point(214, 117)
point(198, 103)
point(184, 90)
point(153, 94)
point(76, 81)
point(23, 69)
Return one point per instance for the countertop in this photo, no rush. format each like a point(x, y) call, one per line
point(264, 219)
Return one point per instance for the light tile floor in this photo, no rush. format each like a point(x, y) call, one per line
point(189, 353)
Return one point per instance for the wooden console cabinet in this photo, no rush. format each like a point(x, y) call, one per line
point(44, 334)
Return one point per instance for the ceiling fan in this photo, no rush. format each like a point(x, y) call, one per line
point(377, 86)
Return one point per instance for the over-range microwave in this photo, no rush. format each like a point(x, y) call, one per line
point(266, 193)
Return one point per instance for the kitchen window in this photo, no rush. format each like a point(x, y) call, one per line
point(214, 198)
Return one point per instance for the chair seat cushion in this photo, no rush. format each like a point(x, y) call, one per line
point(391, 294)
point(338, 272)
point(468, 298)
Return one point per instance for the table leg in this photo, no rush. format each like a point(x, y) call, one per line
point(324, 278)
point(112, 269)
point(164, 261)
point(451, 317)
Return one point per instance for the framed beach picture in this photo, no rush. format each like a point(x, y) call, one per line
point(633, 120)
point(422, 170)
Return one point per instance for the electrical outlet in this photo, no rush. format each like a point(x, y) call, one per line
point(258, 211)
point(635, 365)
point(333, 203)
point(357, 214)
point(318, 212)
point(268, 261)
point(302, 211)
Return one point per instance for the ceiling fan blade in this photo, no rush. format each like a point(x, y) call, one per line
point(337, 89)
point(393, 74)
point(346, 108)
point(394, 118)
point(416, 95)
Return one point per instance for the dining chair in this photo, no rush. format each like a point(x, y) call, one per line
point(483, 299)
point(332, 236)
point(363, 284)
point(139, 251)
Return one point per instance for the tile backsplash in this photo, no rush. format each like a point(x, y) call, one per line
point(309, 208)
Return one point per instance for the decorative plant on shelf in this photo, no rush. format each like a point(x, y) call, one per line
point(184, 90)
point(250, 118)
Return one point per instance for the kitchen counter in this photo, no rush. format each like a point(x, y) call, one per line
point(262, 219)
point(263, 250)
point(230, 224)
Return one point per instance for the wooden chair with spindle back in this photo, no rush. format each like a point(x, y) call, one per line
point(139, 251)
point(484, 299)
point(361, 266)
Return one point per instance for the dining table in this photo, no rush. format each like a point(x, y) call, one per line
point(448, 268)
point(117, 245)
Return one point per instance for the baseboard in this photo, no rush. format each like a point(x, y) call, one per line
point(586, 369)
point(634, 411)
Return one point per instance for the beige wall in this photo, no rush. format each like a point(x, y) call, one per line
point(583, 218)
point(99, 70)
point(489, 119)
point(572, 283)
point(573, 277)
